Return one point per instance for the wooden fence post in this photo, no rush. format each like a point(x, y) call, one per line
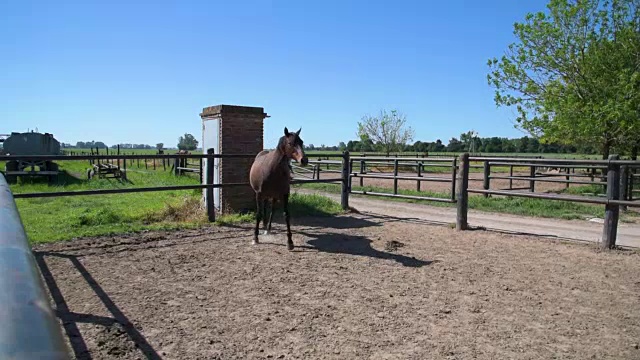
point(395, 176)
point(345, 181)
point(632, 177)
point(532, 182)
point(612, 212)
point(454, 173)
point(418, 182)
point(211, 210)
point(361, 172)
point(510, 177)
point(624, 185)
point(124, 172)
point(462, 196)
point(486, 179)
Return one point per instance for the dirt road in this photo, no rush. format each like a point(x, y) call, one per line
point(581, 230)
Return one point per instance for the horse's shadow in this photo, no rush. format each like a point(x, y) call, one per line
point(355, 245)
point(339, 243)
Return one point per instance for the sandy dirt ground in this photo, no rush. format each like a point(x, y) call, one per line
point(356, 287)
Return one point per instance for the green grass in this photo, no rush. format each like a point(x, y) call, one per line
point(590, 190)
point(64, 218)
point(513, 205)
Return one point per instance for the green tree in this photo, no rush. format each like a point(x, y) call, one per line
point(187, 142)
point(470, 140)
point(160, 146)
point(573, 72)
point(389, 130)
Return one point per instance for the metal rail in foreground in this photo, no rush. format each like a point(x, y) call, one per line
point(29, 328)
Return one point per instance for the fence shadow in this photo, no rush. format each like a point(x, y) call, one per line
point(70, 319)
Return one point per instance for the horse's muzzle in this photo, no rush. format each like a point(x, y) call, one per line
point(304, 161)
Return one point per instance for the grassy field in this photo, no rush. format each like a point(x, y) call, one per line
point(63, 218)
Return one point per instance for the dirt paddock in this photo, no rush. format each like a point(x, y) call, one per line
point(359, 286)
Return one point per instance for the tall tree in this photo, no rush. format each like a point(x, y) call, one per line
point(571, 75)
point(388, 129)
point(187, 142)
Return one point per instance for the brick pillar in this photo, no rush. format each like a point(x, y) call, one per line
point(240, 132)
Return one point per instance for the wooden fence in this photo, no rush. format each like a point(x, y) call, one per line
point(616, 176)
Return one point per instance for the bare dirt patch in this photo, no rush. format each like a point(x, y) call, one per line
point(358, 286)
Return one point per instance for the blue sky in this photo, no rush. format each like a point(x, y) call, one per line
point(140, 72)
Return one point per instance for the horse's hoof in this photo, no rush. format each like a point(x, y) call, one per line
point(255, 242)
point(289, 246)
point(266, 232)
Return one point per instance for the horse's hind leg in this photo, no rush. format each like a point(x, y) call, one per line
point(265, 219)
point(258, 216)
point(271, 215)
point(285, 203)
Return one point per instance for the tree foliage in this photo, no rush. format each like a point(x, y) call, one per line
point(387, 129)
point(187, 142)
point(573, 76)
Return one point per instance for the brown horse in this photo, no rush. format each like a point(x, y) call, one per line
point(270, 176)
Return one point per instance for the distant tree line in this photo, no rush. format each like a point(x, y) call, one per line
point(85, 145)
point(341, 147)
point(101, 145)
point(133, 146)
point(480, 145)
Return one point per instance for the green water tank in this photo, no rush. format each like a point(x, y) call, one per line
point(31, 143)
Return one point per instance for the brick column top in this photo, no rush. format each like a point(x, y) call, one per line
point(232, 109)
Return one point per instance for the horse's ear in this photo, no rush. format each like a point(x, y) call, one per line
point(286, 131)
point(298, 132)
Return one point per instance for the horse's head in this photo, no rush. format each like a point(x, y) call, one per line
point(292, 146)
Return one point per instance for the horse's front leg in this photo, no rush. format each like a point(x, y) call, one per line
point(258, 216)
point(285, 203)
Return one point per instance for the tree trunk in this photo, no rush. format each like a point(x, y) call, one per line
point(606, 149)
